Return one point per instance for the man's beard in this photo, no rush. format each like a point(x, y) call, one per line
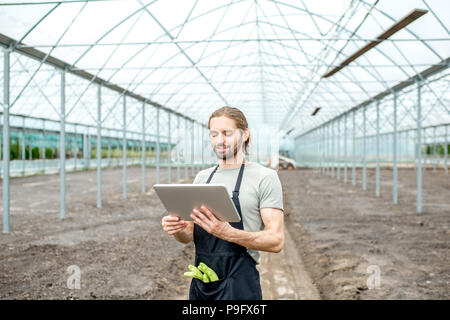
point(229, 153)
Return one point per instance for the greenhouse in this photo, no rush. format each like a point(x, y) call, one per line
point(102, 99)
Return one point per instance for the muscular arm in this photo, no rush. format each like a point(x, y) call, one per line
point(270, 239)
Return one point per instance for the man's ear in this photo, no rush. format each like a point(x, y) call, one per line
point(246, 134)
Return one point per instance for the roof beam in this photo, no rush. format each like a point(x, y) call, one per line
point(439, 67)
point(183, 52)
point(8, 42)
point(158, 42)
point(402, 23)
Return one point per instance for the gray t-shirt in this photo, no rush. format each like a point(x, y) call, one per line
point(260, 188)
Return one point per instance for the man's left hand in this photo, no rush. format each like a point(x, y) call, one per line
point(206, 219)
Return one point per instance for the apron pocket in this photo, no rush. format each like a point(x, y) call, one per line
point(210, 290)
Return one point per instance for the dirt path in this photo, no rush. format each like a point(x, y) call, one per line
point(283, 275)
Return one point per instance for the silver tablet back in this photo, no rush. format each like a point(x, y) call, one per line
point(180, 199)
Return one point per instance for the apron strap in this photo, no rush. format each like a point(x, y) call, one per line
point(239, 180)
point(212, 173)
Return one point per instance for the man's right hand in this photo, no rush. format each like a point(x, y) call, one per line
point(173, 224)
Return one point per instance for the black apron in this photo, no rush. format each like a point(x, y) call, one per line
point(236, 269)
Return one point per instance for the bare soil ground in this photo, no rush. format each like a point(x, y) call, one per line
point(333, 232)
point(341, 230)
point(120, 249)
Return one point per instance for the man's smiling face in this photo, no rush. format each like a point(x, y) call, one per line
point(226, 139)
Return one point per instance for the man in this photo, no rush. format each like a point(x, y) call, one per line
point(232, 249)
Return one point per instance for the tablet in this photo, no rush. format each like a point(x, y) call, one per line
point(180, 199)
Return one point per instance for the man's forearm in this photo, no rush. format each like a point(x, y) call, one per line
point(186, 235)
point(265, 240)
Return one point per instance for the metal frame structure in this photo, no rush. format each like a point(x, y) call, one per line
point(58, 64)
point(308, 144)
point(84, 79)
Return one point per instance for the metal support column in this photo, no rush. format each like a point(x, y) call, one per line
point(435, 159)
point(169, 149)
point(6, 192)
point(419, 147)
point(62, 145)
point(178, 149)
point(318, 139)
point(85, 149)
point(99, 147)
point(324, 145)
point(345, 148)
point(333, 160)
point(329, 149)
point(143, 149)
point(394, 153)
point(322, 149)
point(364, 184)
point(338, 151)
point(446, 150)
point(192, 148)
point(325, 164)
point(186, 143)
point(158, 147)
point(109, 154)
point(377, 178)
point(354, 151)
point(399, 144)
point(45, 147)
point(23, 148)
point(318, 134)
point(124, 146)
point(42, 145)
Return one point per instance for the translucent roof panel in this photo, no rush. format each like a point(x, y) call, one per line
point(267, 58)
